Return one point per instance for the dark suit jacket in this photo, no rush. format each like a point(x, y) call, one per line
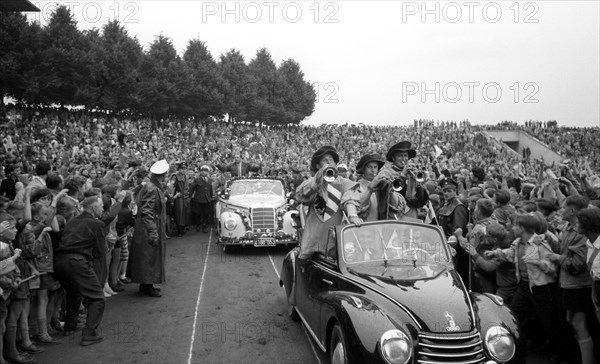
point(201, 190)
point(235, 168)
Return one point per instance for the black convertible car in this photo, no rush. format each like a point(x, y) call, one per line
point(387, 292)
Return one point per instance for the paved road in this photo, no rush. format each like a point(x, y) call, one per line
point(216, 308)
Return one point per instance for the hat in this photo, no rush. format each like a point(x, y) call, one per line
point(342, 167)
point(479, 173)
point(365, 159)
point(296, 169)
point(403, 146)
point(205, 168)
point(181, 165)
point(449, 183)
point(589, 219)
point(327, 149)
point(160, 167)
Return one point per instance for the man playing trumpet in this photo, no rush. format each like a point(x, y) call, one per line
point(399, 176)
point(325, 196)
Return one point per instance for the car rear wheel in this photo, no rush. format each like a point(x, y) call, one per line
point(338, 353)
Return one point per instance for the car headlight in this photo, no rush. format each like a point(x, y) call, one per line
point(395, 347)
point(499, 343)
point(230, 223)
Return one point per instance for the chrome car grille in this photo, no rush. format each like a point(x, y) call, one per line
point(263, 218)
point(444, 348)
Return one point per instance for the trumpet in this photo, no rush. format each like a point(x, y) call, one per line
point(330, 174)
point(420, 177)
point(398, 184)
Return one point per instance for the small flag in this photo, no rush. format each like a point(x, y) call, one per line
point(430, 217)
point(438, 151)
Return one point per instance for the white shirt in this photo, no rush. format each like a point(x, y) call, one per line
point(595, 269)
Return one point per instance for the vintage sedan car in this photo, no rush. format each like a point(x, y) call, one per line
point(387, 292)
point(254, 212)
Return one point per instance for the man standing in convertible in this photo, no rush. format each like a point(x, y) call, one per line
point(325, 196)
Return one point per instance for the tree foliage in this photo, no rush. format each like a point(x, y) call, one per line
point(108, 69)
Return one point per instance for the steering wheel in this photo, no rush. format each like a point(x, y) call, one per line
point(412, 251)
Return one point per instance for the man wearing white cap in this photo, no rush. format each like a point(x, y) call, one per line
point(147, 253)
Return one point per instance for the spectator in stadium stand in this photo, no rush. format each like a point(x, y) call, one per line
point(147, 252)
point(181, 200)
point(477, 176)
point(574, 279)
point(240, 168)
point(589, 226)
point(453, 217)
point(7, 187)
point(504, 209)
point(297, 178)
point(537, 288)
point(82, 241)
point(482, 280)
point(201, 192)
point(39, 180)
point(342, 170)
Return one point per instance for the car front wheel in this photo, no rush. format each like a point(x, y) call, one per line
point(338, 348)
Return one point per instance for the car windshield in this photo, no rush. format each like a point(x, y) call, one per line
point(393, 243)
point(255, 187)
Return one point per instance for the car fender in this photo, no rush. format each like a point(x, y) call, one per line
point(286, 278)
point(287, 226)
point(363, 322)
point(490, 312)
point(238, 231)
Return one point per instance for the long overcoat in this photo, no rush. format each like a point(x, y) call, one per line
point(181, 208)
point(147, 259)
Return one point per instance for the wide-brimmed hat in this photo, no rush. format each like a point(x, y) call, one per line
point(365, 159)
point(403, 146)
point(327, 149)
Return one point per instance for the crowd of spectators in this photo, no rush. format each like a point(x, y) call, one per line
point(52, 159)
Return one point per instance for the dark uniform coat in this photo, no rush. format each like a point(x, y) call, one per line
point(181, 207)
point(451, 216)
point(147, 252)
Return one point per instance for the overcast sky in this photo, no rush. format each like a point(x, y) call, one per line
point(390, 62)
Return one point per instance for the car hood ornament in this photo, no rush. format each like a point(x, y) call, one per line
point(452, 326)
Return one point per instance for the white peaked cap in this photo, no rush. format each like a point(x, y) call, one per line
point(160, 167)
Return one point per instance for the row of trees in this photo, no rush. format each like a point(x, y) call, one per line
point(109, 70)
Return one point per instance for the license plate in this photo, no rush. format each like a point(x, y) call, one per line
point(265, 242)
